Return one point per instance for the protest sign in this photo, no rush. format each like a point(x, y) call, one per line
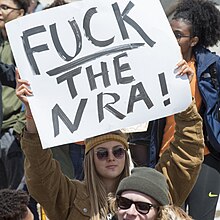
point(97, 66)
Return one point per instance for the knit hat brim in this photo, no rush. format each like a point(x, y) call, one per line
point(92, 142)
point(147, 181)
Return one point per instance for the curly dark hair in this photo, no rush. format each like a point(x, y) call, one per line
point(13, 204)
point(204, 18)
point(23, 4)
point(56, 3)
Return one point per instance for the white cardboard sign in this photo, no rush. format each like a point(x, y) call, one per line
point(96, 66)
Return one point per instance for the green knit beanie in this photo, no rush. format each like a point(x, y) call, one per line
point(147, 181)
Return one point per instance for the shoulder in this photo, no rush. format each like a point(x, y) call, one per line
point(81, 189)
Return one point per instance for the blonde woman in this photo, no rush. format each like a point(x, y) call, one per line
point(106, 164)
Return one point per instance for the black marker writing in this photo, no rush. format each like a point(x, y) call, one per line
point(164, 89)
point(122, 19)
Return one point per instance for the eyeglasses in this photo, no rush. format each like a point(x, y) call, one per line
point(103, 154)
point(179, 35)
point(6, 7)
point(142, 207)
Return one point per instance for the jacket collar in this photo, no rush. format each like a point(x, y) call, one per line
point(204, 58)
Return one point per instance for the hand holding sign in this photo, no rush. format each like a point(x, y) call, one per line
point(22, 91)
point(116, 75)
point(184, 68)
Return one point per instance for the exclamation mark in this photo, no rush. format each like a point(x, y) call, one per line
point(164, 89)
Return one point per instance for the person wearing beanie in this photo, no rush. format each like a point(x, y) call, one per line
point(147, 189)
point(145, 195)
point(147, 181)
point(106, 164)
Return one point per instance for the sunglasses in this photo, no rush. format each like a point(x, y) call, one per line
point(103, 154)
point(142, 207)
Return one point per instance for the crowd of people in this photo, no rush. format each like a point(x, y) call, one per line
point(92, 179)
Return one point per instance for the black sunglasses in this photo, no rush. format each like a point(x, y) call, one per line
point(179, 35)
point(103, 154)
point(142, 207)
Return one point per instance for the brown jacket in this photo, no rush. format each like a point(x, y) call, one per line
point(65, 199)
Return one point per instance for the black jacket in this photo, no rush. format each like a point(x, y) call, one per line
point(7, 78)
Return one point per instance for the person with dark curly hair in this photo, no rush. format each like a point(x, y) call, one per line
point(13, 205)
point(56, 3)
point(196, 25)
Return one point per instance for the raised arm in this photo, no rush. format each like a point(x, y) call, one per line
point(22, 91)
point(181, 162)
point(45, 180)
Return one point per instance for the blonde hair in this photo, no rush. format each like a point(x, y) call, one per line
point(172, 212)
point(97, 193)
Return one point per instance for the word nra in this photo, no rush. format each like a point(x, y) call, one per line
point(71, 71)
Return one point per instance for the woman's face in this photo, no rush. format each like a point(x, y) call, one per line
point(132, 212)
point(9, 10)
point(109, 159)
point(182, 31)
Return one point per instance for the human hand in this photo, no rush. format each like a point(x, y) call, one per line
point(183, 68)
point(22, 91)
